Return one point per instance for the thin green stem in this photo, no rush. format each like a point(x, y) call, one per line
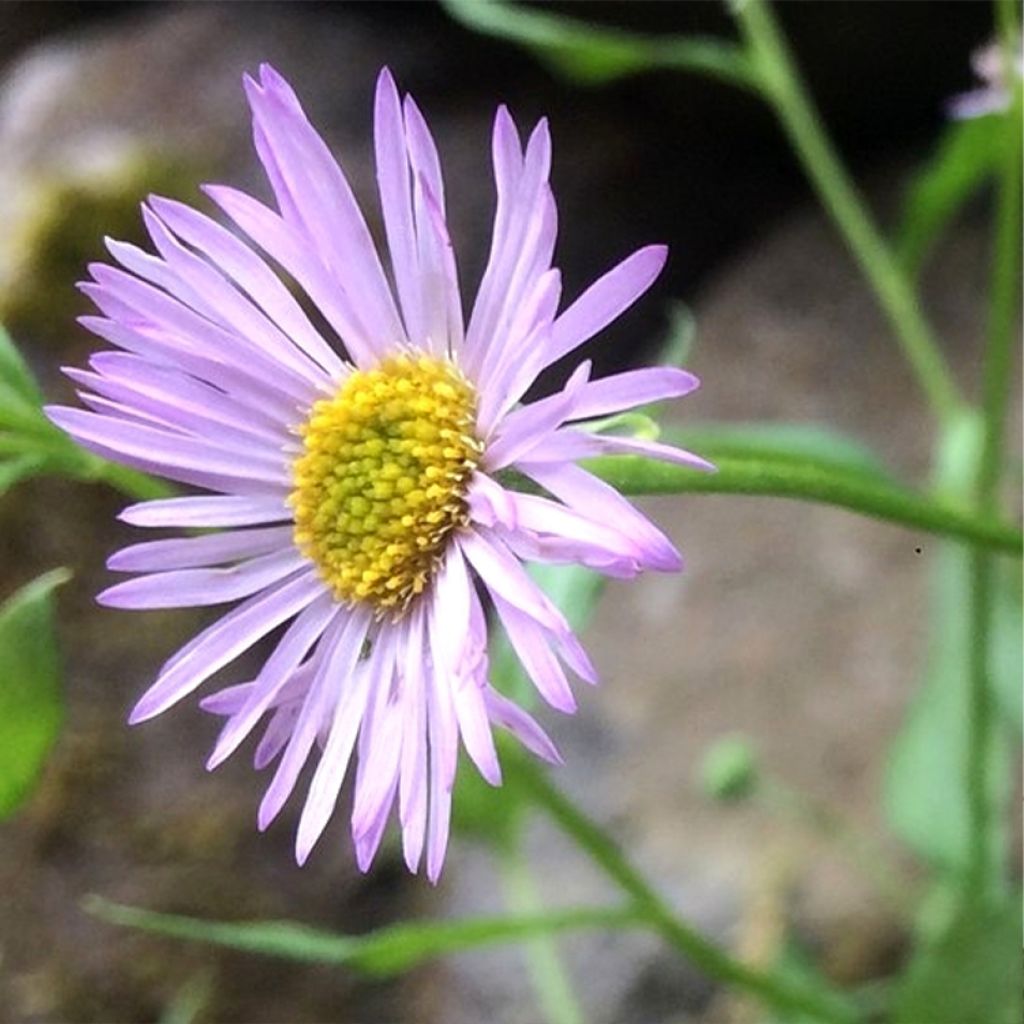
point(997, 377)
point(550, 981)
point(808, 481)
point(783, 88)
point(778, 992)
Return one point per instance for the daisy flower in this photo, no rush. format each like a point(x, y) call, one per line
point(359, 486)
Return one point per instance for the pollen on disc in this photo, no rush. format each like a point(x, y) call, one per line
point(381, 481)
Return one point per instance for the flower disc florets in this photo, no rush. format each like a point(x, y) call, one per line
point(382, 479)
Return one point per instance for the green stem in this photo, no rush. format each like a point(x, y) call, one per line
point(782, 87)
point(807, 481)
point(997, 377)
point(780, 993)
point(550, 981)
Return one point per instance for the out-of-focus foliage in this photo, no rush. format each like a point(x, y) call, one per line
point(969, 973)
point(926, 801)
point(965, 158)
point(592, 55)
point(31, 702)
point(30, 444)
point(384, 952)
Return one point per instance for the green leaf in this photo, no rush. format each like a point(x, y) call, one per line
point(970, 975)
point(783, 442)
point(14, 372)
point(925, 790)
point(384, 952)
point(31, 705)
point(592, 54)
point(796, 967)
point(847, 479)
point(965, 159)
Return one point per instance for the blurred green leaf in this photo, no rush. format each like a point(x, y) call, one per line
point(384, 952)
point(965, 159)
point(925, 788)
point(803, 463)
point(796, 966)
point(21, 468)
point(970, 975)
point(783, 442)
point(31, 704)
point(592, 54)
point(14, 372)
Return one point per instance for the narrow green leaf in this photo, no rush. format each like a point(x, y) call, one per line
point(31, 704)
point(971, 975)
point(592, 54)
point(14, 372)
point(965, 159)
point(384, 952)
point(807, 479)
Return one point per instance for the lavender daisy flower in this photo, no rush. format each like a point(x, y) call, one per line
point(359, 497)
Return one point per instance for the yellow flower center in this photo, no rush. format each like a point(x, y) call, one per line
point(381, 481)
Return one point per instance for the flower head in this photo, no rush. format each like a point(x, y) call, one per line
point(357, 487)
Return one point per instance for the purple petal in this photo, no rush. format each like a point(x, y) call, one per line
point(199, 552)
point(521, 431)
point(258, 281)
point(504, 577)
point(635, 387)
point(581, 490)
point(175, 456)
point(224, 641)
point(328, 213)
point(298, 639)
point(207, 511)
point(348, 715)
point(605, 300)
point(195, 588)
point(531, 646)
point(395, 186)
point(512, 717)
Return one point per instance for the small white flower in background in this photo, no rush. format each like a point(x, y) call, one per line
point(994, 96)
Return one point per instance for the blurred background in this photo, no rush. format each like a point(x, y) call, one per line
point(797, 626)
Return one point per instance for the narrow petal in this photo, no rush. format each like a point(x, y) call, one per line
point(531, 646)
point(504, 577)
point(583, 491)
point(207, 511)
point(224, 641)
point(606, 299)
point(307, 628)
point(199, 552)
point(323, 199)
point(413, 766)
point(330, 772)
point(175, 456)
point(635, 387)
point(510, 716)
point(258, 281)
point(531, 424)
point(395, 186)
